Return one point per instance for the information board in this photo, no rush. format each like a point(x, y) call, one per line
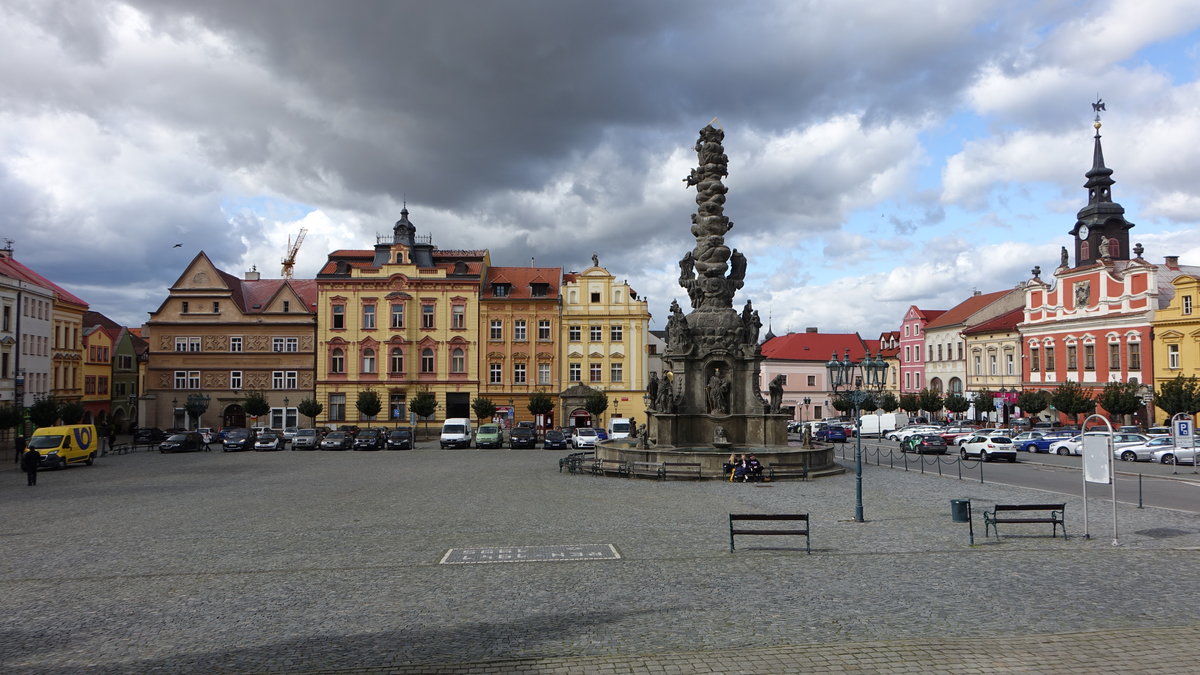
point(1097, 457)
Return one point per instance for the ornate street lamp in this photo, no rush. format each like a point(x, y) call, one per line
point(197, 405)
point(857, 381)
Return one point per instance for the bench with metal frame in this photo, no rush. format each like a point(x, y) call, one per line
point(650, 469)
point(771, 517)
point(786, 471)
point(617, 466)
point(577, 462)
point(680, 470)
point(1055, 515)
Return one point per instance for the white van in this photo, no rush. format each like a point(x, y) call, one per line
point(456, 433)
point(618, 427)
point(878, 425)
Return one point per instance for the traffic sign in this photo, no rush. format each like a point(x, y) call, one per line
point(1183, 429)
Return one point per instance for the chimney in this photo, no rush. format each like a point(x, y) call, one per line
point(810, 329)
point(252, 275)
point(1172, 262)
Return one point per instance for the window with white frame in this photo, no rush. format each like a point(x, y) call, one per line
point(277, 344)
point(543, 329)
point(595, 372)
point(428, 363)
point(496, 330)
point(235, 344)
point(337, 361)
point(458, 317)
point(1135, 356)
point(616, 372)
point(458, 360)
point(397, 315)
point(1010, 363)
point(368, 360)
point(495, 373)
point(427, 317)
point(519, 330)
point(1114, 356)
point(595, 333)
point(1173, 357)
point(397, 360)
point(574, 372)
point(368, 317)
point(337, 407)
point(283, 379)
point(1035, 358)
point(574, 333)
point(338, 316)
point(518, 373)
point(235, 379)
point(187, 344)
point(616, 333)
point(543, 373)
point(1186, 304)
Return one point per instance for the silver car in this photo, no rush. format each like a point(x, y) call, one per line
point(1074, 445)
point(1143, 452)
point(988, 448)
point(1176, 456)
point(305, 439)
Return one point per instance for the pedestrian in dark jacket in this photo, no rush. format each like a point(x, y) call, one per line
point(29, 464)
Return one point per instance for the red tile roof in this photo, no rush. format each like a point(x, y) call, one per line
point(522, 279)
point(963, 310)
point(257, 294)
point(11, 268)
point(814, 346)
point(1005, 322)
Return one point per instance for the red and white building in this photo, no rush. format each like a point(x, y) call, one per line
point(912, 347)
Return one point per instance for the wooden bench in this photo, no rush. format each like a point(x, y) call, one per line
point(680, 470)
point(617, 466)
point(775, 517)
point(651, 469)
point(787, 471)
point(1055, 515)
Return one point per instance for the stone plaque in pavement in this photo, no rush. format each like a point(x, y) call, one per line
point(512, 554)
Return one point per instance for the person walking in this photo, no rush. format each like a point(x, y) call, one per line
point(29, 464)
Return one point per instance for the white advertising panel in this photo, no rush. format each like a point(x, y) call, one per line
point(1097, 457)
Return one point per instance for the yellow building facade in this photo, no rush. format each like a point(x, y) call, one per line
point(397, 320)
point(97, 374)
point(519, 328)
point(603, 342)
point(1177, 335)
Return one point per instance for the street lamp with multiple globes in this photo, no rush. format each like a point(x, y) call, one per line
point(857, 381)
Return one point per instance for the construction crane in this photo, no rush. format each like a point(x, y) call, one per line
point(293, 249)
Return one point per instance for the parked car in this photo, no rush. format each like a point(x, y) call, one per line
point(522, 437)
point(924, 444)
point(185, 442)
point(901, 434)
point(831, 433)
point(1039, 440)
point(369, 439)
point(986, 433)
point(1129, 429)
point(601, 434)
point(1155, 432)
point(400, 438)
point(1074, 444)
point(554, 440)
point(270, 440)
point(583, 437)
point(305, 439)
point(337, 440)
point(237, 440)
point(289, 434)
point(1176, 456)
point(350, 429)
point(489, 436)
point(1144, 452)
point(988, 447)
point(148, 436)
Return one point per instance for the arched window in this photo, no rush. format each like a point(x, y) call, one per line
point(397, 360)
point(337, 361)
point(458, 360)
point(368, 360)
point(427, 360)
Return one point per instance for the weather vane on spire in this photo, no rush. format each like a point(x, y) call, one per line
point(1096, 108)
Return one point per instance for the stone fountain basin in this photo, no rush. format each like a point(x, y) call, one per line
point(818, 459)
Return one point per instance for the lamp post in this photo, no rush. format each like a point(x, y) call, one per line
point(857, 381)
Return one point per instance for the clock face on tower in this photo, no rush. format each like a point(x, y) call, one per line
point(1084, 231)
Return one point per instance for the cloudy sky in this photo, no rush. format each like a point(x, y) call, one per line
point(882, 154)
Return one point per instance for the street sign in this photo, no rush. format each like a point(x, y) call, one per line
point(1183, 429)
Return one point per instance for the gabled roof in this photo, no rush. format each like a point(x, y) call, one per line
point(1005, 322)
point(257, 295)
point(814, 346)
point(959, 313)
point(522, 279)
point(927, 314)
point(10, 267)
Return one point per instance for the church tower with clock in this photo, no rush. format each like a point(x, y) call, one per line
point(1101, 231)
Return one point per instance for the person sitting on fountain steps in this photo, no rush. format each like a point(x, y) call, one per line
point(754, 468)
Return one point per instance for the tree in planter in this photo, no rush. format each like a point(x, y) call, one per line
point(368, 403)
point(1120, 398)
point(1033, 402)
point(910, 403)
point(888, 402)
point(422, 404)
point(956, 403)
point(930, 401)
point(1180, 395)
point(71, 412)
point(196, 406)
point(310, 409)
point(984, 401)
point(44, 411)
point(256, 405)
point(596, 404)
point(540, 405)
point(841, 403)
point(484, 409)
point(1072, 399)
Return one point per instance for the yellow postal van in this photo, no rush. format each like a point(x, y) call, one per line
point(66, 445)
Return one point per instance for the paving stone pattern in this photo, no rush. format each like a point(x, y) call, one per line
point(329, 562)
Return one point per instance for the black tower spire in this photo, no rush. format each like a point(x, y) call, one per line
point(1101, 231)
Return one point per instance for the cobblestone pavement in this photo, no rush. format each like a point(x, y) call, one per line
point(329, 562)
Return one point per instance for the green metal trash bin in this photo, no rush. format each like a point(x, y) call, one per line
point(960, 510)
